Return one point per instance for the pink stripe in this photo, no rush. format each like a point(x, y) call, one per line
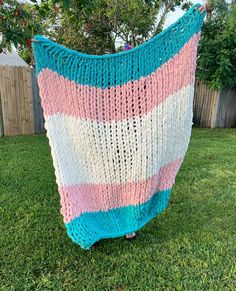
point(77, 199)
point(59, 95)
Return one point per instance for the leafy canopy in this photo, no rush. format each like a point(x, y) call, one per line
point(91, 26)
point(217, 48)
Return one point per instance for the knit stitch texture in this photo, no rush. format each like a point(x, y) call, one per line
point(118, 126)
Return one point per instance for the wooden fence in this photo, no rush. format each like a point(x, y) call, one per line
point(214, 108)
point(21, 111)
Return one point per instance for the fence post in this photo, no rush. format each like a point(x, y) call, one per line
point(1, 118)
point(38, 112)
point(214, 111)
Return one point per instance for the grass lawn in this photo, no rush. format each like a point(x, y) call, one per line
point(191, 245)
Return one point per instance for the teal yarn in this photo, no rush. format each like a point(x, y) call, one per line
point(146, 211)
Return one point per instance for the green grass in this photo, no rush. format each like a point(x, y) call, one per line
point(191, 245)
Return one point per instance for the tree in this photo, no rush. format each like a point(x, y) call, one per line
point(11, 15)
point(90, 26)
point(96, 28)
point(17, 27)
point(216, 64)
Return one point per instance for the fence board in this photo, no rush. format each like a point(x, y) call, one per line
point(12, 105)
point(38, 111)
point(4, 99)
point(1, 119)
point(28, 100)
point(226, 115)
point(18, 99)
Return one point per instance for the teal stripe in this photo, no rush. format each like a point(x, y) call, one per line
point(90, 227)
point(117, 69)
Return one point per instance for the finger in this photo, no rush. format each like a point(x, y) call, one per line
point(201, 9)
point(198, 8)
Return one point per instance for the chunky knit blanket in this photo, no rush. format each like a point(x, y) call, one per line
point(118, 126)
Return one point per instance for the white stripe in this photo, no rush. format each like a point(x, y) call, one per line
point(85, 151)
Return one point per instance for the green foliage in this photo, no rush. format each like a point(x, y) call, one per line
point(95, 26)
point(25, 54)
point(91, 26)
point(190, 246)
point(95, 29)
point(217, 48)
point(17, 25)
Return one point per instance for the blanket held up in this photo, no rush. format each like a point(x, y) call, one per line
point(118, 126)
